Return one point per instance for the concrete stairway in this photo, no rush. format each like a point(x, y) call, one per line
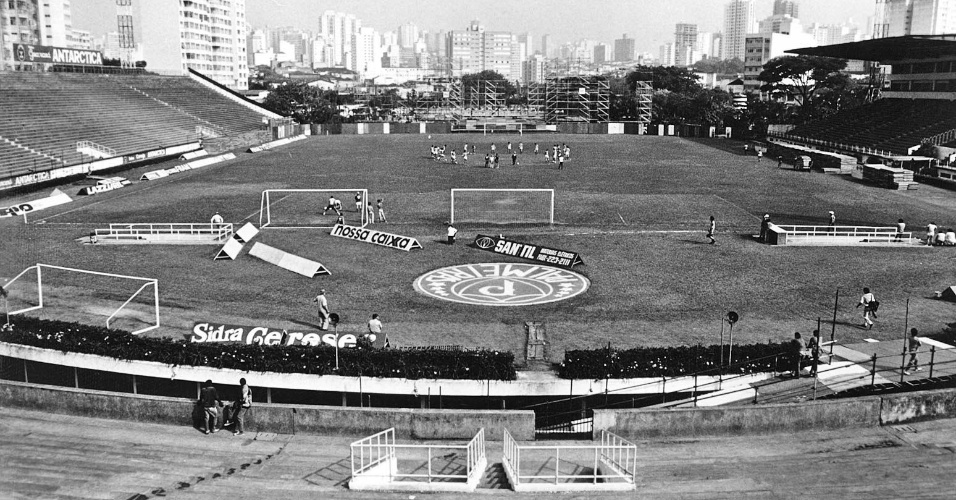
point(46, 455)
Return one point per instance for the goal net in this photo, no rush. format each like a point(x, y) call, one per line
point(502, 206)
point(310, 208)
point(126, 302)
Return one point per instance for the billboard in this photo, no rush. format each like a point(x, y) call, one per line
point(24, 52)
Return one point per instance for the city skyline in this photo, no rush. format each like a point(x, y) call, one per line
point(649, 23)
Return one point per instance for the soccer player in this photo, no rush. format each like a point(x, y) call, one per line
point(331, 206)
point(509, 146)
point(547, 157)
point(930, 233)
point(358, 201)
point(381, 210)
point(451, 233)
point(370, 213)
point(711, 229)
point(514, 158)
point(337, 205)
point(464, 155)
point(561, 162)
point(521, 147)
point(536, 148)
point(454, 157)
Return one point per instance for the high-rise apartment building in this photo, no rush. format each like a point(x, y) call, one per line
point(208, 36)
point(337, 28)
point(602, 53)
point(739, 20)
point(408, 34)
point(667, 55)
point(780, 23)
point(474, 49)
point(786, 8)
point(47, 22)
point(685, 44)
point(366, 51)
point(547, 46)
point(914, 17)
point(624, 49)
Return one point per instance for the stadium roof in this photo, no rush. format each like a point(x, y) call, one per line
point(897, 48)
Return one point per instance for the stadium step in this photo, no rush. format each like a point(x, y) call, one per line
point(495, 478)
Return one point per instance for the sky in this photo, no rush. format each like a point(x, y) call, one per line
point(649, 22)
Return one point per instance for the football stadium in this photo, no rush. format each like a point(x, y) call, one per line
point(161, 231)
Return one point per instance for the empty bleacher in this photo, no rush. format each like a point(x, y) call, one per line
point(48, 113)
point(890, 125)
point(199, 101)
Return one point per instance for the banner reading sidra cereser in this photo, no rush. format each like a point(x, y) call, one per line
point(262, 335)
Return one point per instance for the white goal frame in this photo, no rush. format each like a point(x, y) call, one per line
point(550, 208)
point(150, 282)
point(265, 206)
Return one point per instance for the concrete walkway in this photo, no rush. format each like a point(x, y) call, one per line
point(65, 457)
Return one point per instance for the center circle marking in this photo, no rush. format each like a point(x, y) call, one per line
point(501, 284)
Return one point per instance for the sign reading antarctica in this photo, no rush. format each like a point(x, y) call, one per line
point(501, 284)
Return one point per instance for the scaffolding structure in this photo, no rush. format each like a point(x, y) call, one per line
point(584, 99)
point(644, 93)
point(484, 95)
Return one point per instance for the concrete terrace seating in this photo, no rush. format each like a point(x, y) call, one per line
point(17, 161)
point(52, 112)
point(888, 124)
point(198, 100)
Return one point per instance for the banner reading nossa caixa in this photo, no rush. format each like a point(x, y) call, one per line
point(262, 335)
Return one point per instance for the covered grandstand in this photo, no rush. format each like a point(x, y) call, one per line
point(917, 107)
point(53, 121)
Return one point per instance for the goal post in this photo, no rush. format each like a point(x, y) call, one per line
point(147, 283)
point(305, 208)
point(502, 206)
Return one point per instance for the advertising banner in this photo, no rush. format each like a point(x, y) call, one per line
point(537, 253)
point(57, 198)
point(263, 335)
point(374, 237)
point(30, 53)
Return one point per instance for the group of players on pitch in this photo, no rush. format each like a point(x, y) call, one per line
point(555, 155)
point(335, 205)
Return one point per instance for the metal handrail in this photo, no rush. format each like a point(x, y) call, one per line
point(613, 450)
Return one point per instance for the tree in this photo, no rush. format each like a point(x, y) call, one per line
point(303, 103)
point(803, 78)
point(720, 66)
point(664, 78)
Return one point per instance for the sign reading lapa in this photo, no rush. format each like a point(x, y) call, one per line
point(537, 253)
point(29, 53)
point(262, 335)
point(374, 237)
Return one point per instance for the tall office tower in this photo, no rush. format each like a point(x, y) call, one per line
point(786, 8)
point(914, 17)
point(739, 20)
point(208, 36)
point(407, 35)
point(547, 46)
point(685, 44)
point(624, 49)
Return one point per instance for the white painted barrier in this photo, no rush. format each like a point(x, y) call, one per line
point(288, 261)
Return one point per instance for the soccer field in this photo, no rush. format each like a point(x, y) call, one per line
point(635, 208)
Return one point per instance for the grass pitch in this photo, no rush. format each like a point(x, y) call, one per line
point(634, 207)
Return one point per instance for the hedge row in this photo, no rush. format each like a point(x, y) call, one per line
point(676, 361)
point(363, 360)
